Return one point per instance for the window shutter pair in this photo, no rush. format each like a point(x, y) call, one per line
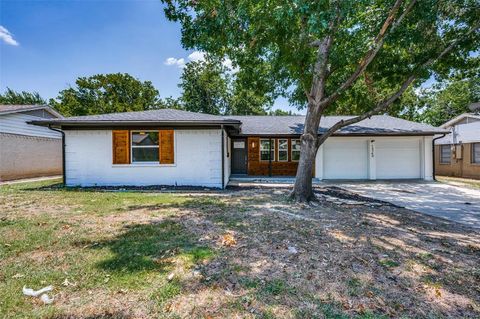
point(121, 147)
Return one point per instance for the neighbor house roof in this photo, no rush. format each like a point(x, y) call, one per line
point(249, 125)
point(376, 125)
point(17, 108)
point(459, 118)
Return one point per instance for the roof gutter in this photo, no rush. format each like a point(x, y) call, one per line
point(64, 175)
point(433, 153)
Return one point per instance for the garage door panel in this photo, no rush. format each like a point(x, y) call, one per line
point(398, 159)
point(345, 159)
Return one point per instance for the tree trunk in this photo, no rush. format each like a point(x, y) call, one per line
point(302, 191)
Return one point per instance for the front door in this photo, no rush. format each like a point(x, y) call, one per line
point(239, 156)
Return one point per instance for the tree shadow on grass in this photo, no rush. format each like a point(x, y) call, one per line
point(146, 247)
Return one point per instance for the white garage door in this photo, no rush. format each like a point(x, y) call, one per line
point(345, 159)
point(398, 158)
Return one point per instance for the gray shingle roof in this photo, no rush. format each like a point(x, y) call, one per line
point(152, 116)
point(251, 125)
point(287, 125)
point(16, 108)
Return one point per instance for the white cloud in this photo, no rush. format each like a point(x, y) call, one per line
point(174, 61)
point(7, 37)
point(196, 56)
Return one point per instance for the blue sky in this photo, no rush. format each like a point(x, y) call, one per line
point(46, 45)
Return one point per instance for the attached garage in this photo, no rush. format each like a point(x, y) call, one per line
point(374, 157)
point(345, 158)
point(398, 158)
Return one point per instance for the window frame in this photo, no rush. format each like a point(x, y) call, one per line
point(292, 150)
point(272, 150)
point(440, 160)
point(132, 162)
point(473, 159)
point(283, 150)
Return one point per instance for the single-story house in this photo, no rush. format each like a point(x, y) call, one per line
point(173, 147)
point(458, 153)
point(27, 150)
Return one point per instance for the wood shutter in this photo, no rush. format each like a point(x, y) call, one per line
point(167, 155)
point(121, 147)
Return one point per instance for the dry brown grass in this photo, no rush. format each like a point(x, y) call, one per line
point(247, 253)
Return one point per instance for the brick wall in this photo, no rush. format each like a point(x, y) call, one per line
point(29, 156)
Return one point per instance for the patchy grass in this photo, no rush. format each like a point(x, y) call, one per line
point(457, 181)
point(144, 254)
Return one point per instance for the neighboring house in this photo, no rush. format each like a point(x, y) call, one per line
point(458, 153)
point(172, 147)
point(28, 150)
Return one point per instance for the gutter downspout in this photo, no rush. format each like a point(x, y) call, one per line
point(433, 153)
point(63, 152)
point(223, 158)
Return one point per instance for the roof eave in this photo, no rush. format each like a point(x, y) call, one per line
point(60, 123)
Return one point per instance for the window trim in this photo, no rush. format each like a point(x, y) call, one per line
point(272, 150)
point(472, 153)
point(292, 150)
point(440, 159)
point(278, 149)
point(150, 163)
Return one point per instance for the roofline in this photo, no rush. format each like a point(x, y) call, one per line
point(34, 108)
point(458, 118)
point(426, 133)
point(67, 123)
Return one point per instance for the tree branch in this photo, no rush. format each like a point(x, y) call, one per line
point(370, 55)
point(382, 106)
point(321, 65)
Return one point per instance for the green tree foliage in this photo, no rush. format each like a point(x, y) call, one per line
point(204, 87)
point(21, 98)
point(208, 86)
point(281, 113)
point(448, 100)
point(106, 93)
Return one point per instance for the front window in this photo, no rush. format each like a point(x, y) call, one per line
point(267, 150)
point(144, 147)
point(295, 150)
point(445, 154)
point(283, 150)
point(476, 153)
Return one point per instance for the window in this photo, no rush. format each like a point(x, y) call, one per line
point(145, 147)
point(283, 150)
point(295, 150)
point(445, 154)
point(267, 151)
point(476, 153)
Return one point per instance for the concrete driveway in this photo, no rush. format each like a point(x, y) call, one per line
point(446, 201)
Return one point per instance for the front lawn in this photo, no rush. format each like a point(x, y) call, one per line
point(246, 253)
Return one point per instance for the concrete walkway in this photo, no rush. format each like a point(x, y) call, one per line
point(454, 203)
point(29, 180)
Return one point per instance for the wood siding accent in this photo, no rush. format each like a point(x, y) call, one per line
point(121, 147)
point(262, 168)
point(167, 147)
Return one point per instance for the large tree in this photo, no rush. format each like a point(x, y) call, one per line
point(209, 86)
point(446, 100)
point(204, 87)
point(21, 98)
point(107, 93)
point(326, 52)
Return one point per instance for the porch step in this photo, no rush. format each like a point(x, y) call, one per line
point(237, 180)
